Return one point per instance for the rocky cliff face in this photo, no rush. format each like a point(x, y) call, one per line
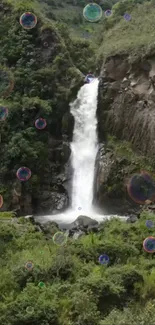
point(125, 111)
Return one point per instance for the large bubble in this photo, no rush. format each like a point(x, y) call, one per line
point(6, 82)
point(59, 238)
point(141, 188)
point(40, 123)
point(23, 174)
point(92, 12)
point(149, 244)
point(28, 20)
point(3, 113)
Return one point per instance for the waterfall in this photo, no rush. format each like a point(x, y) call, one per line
point(84, 149)
point(84, 146)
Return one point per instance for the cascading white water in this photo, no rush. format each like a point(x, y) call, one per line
point(84, 149)
point(84, 146)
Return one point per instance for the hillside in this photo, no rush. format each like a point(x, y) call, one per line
point(45, 66)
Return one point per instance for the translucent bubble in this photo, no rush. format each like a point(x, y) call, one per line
point(149, 224)
point(141, 188)
point(45, 44)
point(29, 310)
point(92, 12)
point(89, 78)
point(59, 238)
point(41, 285)
point(3, 113)
point(108, 13)
point(29, 266)
point(127, 17)
point(23, 174)
point(79, 208)
point(6, 82)
point(40, 123)
point(1, 201)
point(104, 259)
point(149, 245)
point(28, 20)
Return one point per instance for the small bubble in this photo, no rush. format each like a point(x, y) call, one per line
point(104, 259)
point(29, 309)
point(29, 266)
point(149, 224)
point(41, 285)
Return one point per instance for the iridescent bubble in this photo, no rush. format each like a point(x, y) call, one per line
point(59, 238)
point(40, 123)
point(23, 174)
point(108, 13)
point(1, 201)
point(141, 188)
point(79, 208)
point(3, 113)
point(104, 259)
point(29, 310)
point(28, 20)
point(89, 78)
point(149, 223)
point(29, 266)
point(149, 244)
point(6, 82)
point(92, 12)
point(41, 285)
point(127, 17)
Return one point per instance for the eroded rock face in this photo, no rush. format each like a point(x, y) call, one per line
point(126, 110)
point(126, 103)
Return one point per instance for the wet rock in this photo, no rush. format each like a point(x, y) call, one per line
point(132, 218)
point(51, 201)
point(83, 222)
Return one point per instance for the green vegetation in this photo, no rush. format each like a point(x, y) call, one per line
point(134, 38)
point(78, 290)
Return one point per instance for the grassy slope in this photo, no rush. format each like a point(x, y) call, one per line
point(136, 37)
point(79, 291)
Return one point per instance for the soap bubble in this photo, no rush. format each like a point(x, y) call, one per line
point(40, 123)
point(104, 259)
point(127, 17)
point(23, 174)
point(3, 113)
point(59, 238)
point(6, 82)
point(141, 188)
point(149, 224)
point(92, 12)
point(45, 44)
point(108, 13)
point(28, 20)
point(89, 78)
point(1, 201)
point(29, 310)
point(79, 208)
point(149, 244)
point(29, 266)
point(41, 285)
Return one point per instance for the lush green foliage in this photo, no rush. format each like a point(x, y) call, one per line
point(78, 291)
